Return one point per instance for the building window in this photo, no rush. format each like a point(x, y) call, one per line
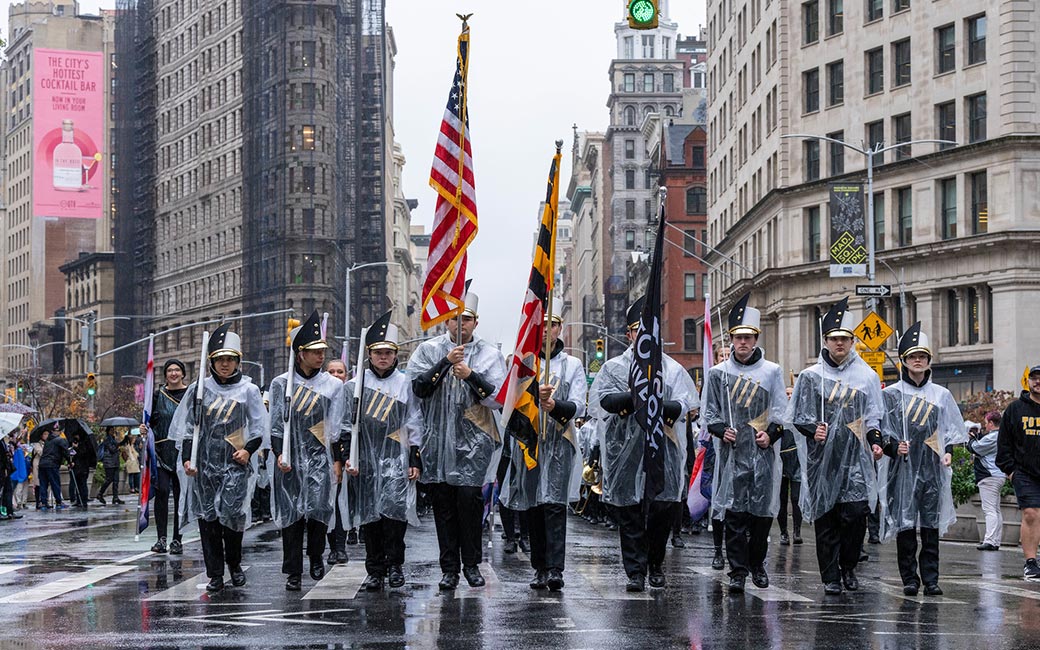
point(630, 149)
point(835, 17)
point(630, 116)
point(875, 10)
point(629, 48)
point(696, 200)
point(879, 221)
point(976, 109)
point(630, 82)
point(904, 205)
point(876, 138)
point(630, 240)
point(901, 63)
point(945, 49)
point(697, 157)
point(953, 309)
point(946, 123)
point(948, 207)
point(812, 220)
point(875, 71)
point(811, 93)
point(812, 160)
point(630, 179)
point(630, 209)
point(308, 177)
point(902, 128)
point(669, 82)
point(976, 35)
point(690, 286)
point(648, 47)
point(979, 203)
point(900, 5)
point(810, 22)
point(837, 153)
point(835, 83)
point(690, 337)
point(648, 82)
point(308, 137)
point(690, 243)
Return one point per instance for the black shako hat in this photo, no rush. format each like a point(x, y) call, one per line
point(914, 340)
point(224, 342)
point(635, 312)
point(308, 336)
point(744, 319)
point(382, 334)
point(839, 321)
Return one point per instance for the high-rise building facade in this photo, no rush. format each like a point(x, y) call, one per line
point(953, 226)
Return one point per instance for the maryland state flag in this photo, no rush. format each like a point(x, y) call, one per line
point(646, 377)
point(519, 393)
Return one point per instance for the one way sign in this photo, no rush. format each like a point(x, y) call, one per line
point(876, 290)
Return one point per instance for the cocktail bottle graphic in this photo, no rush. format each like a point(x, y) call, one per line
point(67, 164)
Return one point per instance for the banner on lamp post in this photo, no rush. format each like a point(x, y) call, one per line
point(848, 253)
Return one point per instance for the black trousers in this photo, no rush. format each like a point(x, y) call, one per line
point(7, 492)
point(167, 483)
point(292, 544)
point(874, 522)
point(644, 536)
point(111, 478)
point(338, 536)
point(718, 532)
point(790, 491)
point(906, 549)
point(512, 520)
point(547, 524)
point(839, 538)
point(220, 544)
point(457, 512)
point(746, 541)
point(384, 545)
point(82, 491)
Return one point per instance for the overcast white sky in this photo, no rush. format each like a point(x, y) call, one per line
point(536, 68)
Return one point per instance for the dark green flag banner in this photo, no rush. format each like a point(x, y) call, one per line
point(848, 231)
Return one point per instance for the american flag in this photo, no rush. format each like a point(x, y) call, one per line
point(455, 217)
point(148, 465)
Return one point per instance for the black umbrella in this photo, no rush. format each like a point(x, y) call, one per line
point(119, 422)
point(75, 429)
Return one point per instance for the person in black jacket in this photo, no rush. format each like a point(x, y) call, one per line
point(164, 405)
point(1018, 456)
point(55, 453)
point(110, 454)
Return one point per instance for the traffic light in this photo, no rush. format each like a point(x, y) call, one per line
point(90, 384)
point(21, 388)
point(293, 324)
point(600, 349)
point(643, 14)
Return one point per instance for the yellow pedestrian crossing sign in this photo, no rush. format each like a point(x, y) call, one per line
point(873, 331)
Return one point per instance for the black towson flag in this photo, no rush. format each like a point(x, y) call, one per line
point(646, 377)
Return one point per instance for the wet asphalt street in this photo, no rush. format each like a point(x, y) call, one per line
point(70, 579)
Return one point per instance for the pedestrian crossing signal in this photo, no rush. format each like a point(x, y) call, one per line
point(90, 384)
point(600, 349)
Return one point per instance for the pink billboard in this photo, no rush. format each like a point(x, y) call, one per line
point(68, 133)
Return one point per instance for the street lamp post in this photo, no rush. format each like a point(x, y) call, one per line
point(346, 302)
point(258, 365)
point(869, 153)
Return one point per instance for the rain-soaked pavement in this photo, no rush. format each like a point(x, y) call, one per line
point(79, 580)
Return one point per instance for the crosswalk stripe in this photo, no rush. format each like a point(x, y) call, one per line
point(892, 590)
point(1000, 588)
point(65, 585)
point(769, 594)
point(191, 589)
point(342, 582)
point(8, 568)
point(491, 588)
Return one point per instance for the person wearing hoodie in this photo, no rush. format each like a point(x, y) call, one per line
point(1018, 456)
point(989, 479)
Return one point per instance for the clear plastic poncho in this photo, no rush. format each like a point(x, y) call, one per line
point(747, 398)
point(916, 492)
point(557, 477)
point(391, 423)
point(461, 440)
point(308, 489)
point(622, 439)
point(588, 438)
point(232, 415)
point(840, 469)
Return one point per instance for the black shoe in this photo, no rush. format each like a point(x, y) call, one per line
point(292, 583)
point(933, 590)
point(555, 580)
point(987, 547)
point(159, 546)
point(100, 499)
point(510, 546)
point(215, 584)
point(372, 583)
point(911, 589)
point(448, 582)
point(175, 547)
point(524, 544)
point(736, 584)
point(657, 579)
point(718, 562)
point(832, 588)
point(873, 539)
point(352, 536)
point(238, 576)
point(784, 540)
point(798, 538)
point(677, 542)
point(636, 583)
point(341, 557)
point(330, 559)
point(759, 577)
point(117, 501)
point(395, 577)
point(848, 578)
point(317, 568)
point(473, 577)
point(540, 580)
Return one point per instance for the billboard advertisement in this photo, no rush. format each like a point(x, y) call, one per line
point(68, 133)
point(848, 232)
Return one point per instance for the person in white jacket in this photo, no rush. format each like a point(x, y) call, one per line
point(988, 478)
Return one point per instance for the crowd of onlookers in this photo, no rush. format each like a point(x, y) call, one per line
point(31, 472)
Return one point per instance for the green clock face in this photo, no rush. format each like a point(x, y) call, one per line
point(642, 10)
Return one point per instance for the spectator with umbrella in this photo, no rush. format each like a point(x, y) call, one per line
point(111, 453)
point(55, 454)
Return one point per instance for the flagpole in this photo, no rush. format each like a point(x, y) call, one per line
point(547, 321)
point(146, 412)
